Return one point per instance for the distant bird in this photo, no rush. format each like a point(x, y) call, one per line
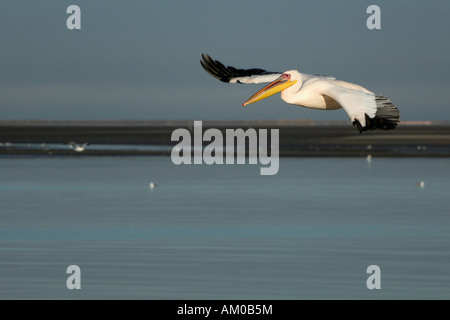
point(365, 109)
point(78, 148)
point(369, 158)
point(421, 184)
point(152, 185)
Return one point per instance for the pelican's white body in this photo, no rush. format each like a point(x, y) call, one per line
point(322, 93)
point(327, 93)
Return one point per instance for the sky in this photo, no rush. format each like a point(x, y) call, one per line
point(139, 60)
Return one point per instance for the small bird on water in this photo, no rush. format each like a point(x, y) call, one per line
point(78, 148)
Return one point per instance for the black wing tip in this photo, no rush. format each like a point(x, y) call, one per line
point(376, 123)
point(225, 74)
point(215, 68)
point(387, 116)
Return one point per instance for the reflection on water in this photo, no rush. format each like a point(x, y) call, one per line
point(224, 231)
point(92, 147)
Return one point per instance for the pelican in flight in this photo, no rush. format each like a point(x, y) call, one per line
point(78, 148)
point(366, 109)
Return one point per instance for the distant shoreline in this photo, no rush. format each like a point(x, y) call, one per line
point(300, 138)
point(233, 123)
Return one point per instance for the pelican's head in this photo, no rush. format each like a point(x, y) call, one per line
point(286, 80)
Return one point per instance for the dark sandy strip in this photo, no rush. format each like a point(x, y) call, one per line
point(297, 138)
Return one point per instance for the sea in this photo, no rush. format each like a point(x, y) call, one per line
point(141, 227)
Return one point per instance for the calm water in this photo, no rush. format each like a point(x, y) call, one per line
point(224, 231)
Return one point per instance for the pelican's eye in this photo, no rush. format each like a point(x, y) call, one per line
point(286, 76)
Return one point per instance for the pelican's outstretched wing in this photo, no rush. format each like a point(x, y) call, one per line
point(365, 109)
point(232, 75)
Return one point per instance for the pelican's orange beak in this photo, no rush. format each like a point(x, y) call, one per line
point(278, 85)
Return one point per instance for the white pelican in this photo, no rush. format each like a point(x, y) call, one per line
point(78, 148)
point(365, 109)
